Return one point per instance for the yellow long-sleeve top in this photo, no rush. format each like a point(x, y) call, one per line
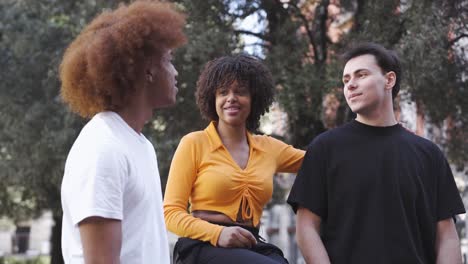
point(204, 173)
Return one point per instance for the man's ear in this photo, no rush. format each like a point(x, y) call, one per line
point(390, 79)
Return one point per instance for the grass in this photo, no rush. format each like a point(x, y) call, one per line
point(25, 260)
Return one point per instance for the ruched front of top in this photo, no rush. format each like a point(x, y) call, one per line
point(204, 174)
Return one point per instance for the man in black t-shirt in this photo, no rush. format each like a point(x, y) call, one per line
point(370, 191)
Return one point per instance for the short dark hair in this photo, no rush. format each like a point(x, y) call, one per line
point(247, 71)
point(386, 59)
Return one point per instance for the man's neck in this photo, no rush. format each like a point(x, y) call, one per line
point(379, 115)
point(377, 122)
point(382, 118)
point(135, 116)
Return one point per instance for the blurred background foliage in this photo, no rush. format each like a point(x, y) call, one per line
point(299, 40)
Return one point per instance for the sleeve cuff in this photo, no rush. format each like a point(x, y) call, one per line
point(80, 216)
point(216, 234)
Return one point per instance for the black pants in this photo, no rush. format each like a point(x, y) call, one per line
point(191, 251)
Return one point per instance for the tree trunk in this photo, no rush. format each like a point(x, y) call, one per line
point(55, 241)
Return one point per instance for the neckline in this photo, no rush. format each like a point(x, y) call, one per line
point(377, 130)
point(218, 143)
point(126, 127)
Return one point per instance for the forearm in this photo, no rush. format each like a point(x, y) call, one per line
point(447, 246)
point(308, 238)
point(448, 252)
point(312, 247)
point(181, 223)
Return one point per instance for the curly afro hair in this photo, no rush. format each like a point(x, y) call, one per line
point(247, 71)
point(100, 67)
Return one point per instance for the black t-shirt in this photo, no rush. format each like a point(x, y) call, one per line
point(379, 191)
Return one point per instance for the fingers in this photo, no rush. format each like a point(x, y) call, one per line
point(227, 237)
point(236, 237)
point(249, 236)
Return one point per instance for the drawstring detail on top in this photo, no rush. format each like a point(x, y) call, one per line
point(246, 211)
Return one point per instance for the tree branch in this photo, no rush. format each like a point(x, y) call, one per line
point(305, 22)
point(320, 27)
point(258, 44)
point(244, 15)
point(318, 33)
point(453, 41)
point(247, 32)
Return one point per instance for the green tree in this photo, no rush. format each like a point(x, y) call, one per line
point(37, 130)
point(210, 35)
point(428, 35)
point(297, 61)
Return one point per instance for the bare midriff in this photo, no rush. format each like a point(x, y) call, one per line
point(220, 218)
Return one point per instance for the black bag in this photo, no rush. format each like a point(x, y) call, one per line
point(186, 250)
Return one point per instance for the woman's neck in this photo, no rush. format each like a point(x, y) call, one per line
point(231, 135)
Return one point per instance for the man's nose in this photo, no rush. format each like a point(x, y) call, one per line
point(351, 85)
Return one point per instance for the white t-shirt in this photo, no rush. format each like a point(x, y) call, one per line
point(112, 172)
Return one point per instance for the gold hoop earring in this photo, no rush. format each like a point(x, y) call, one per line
point(149, 77)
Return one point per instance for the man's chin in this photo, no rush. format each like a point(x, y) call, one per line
point(357, 109)
point(167, 104)
point(170, 104)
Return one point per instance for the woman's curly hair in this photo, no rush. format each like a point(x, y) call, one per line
point(100, 67)
point(247, 71)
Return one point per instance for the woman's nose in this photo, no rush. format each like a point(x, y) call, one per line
point(231, 97)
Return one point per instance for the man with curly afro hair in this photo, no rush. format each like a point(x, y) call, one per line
point(116, 72)
point(226, 171)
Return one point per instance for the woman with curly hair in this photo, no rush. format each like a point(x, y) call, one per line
point(116, 72)
point(225, 171)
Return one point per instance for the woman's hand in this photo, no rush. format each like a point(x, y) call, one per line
point(234, 236)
